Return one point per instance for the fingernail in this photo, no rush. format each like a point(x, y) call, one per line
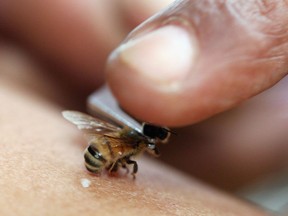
point(165, 56)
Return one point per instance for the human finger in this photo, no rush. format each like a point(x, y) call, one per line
point(199, 58)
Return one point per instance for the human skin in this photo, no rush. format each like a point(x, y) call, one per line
point(42, 162)
point(77, 67)
point(200, 58)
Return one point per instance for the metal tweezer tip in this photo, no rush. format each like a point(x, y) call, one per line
point(102, 103)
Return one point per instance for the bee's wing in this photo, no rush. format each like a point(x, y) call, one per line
point(89, 125)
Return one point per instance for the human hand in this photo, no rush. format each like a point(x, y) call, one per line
point(199, 58)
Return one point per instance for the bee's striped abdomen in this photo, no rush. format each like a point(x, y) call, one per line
point(94, 161)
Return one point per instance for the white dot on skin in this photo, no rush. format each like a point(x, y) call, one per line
point(85, 182)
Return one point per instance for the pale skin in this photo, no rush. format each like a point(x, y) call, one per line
point(41, 153)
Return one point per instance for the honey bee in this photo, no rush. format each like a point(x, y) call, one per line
point(112, 146)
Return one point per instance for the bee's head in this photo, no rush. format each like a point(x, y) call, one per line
point(156, 132)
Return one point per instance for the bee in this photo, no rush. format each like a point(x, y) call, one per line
point(111, 146)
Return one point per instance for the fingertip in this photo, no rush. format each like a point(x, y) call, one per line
point(149, 71)
point(143, 99)
point(148, 74)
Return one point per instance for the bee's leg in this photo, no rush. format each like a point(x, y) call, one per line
point(113, 167)
point(135, 166)
point(156, 151)
point(125, 167)
point(153, 149)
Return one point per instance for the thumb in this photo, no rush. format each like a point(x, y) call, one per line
point(200, 57)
